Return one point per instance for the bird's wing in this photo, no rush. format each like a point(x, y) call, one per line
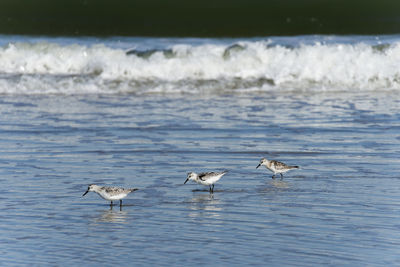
point(204, 176)
point(115, 190)
point(279, 165)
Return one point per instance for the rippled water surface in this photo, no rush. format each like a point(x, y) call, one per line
point(341, 207)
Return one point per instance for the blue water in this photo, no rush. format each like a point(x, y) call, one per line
point(340, 208)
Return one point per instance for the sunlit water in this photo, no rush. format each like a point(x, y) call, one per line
point(341, 208)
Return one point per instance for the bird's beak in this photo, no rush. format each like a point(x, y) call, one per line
point(258, 166)
point(186, 181)
point(85, 193)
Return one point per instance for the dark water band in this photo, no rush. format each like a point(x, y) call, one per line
point(223, 18)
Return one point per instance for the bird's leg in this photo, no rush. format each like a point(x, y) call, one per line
point(273, 176)
point(281, 176)
point(120, 202)
point(213, 188)
point(111, 204)
point(210, 189)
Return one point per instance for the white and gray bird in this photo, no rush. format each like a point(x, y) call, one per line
point(276, 167)
point(205, 178)
point(110, 193)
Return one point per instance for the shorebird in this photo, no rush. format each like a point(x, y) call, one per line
point(205, 178)
point(110, 193)
point(276, 167)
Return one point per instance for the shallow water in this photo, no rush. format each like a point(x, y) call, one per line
point(341, 207)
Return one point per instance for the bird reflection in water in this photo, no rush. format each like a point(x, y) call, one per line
point(279, 184)
point(204, 205)
point(274, 186)
point(114, 216)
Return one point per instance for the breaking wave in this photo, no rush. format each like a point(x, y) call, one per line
point(262, 65)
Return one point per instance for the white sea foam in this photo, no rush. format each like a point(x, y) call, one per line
point(244, 66)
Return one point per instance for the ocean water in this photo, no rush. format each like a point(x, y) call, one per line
point(193, 66)
point(142, 112)
point(207, 18)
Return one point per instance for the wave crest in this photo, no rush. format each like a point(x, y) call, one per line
point(242, 66)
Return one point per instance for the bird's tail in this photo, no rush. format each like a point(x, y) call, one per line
point(295, 167)
point(134, 189)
